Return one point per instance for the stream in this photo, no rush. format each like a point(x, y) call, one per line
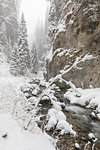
point(84, 119)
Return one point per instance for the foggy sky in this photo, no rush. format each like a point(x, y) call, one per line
point(33, 11)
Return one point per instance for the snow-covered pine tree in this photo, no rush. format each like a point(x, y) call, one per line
point(34, 61)
point(23, 49)
point(14, 61)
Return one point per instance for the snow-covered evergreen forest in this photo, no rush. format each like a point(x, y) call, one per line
point(50, 75)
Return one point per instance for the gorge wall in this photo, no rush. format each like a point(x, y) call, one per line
point(8, 20)
point(8, 25)
point(76, 44)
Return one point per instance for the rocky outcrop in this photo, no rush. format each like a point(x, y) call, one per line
point(77, 37)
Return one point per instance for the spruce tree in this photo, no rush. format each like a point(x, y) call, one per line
point(23, 49)
point(14, 61)
point(34, 62)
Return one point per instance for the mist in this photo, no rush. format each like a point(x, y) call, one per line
point(34, 10)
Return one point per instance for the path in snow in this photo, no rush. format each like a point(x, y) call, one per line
point(16, 138)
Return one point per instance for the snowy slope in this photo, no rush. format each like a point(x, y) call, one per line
point(9, 86)
point(12, 137)
point(17, 139)
point(4, 66)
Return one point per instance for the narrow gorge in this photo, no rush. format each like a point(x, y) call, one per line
point(50, 75)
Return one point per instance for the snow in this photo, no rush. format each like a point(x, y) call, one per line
point(62, 53)
point(68, 3)
point(42, 83)
point(58, 115)
point(12, 133)
point(35, 92)
point(80, 59)
point(98, 116)
point(9, 92)
point(61, 27)
point(91, 136)
point(71, 22)
point(87, 97)
point(87, 57)
point(92, 8)
point(56, 118)
point(51, 123)
point(69, 13)
point(65, 127)
point(52, 55)
point(19, 139)
point(4, 66)
point(61, 116)
point(77, 146)
point(45, 98)
point(93, 115)
point(33, 138)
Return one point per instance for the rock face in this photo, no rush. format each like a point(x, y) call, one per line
point(76, 44)
point(8, 21)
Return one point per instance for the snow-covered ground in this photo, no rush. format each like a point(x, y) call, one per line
point(4, 66)
point(9, 86)
point(12, 136)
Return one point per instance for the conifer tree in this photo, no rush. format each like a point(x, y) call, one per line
point(23, 49)
point(14, 61)
point(34, 62)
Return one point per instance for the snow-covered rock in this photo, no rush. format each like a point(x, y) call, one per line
point(65, 127)
point(88, 97)
point(91, 136)
point(77, 146)
point(57, 119)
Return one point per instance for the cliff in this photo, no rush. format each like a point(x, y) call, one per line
point(76, 44)
point(8, 21)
